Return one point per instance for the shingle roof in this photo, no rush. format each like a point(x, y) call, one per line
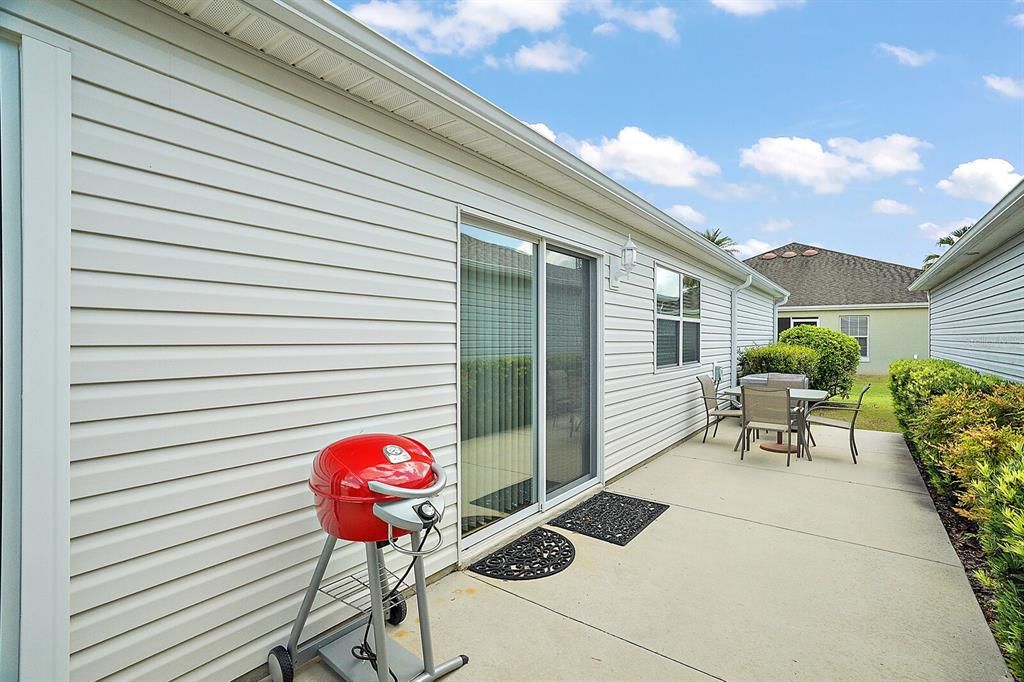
point(829, 277)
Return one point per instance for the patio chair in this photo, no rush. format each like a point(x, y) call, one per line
point(768, 408)
point(847, 406)
point(715, 405)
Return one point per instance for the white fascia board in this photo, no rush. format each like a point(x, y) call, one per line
point(337, 31)
point(1002, 222)
point(864, 306)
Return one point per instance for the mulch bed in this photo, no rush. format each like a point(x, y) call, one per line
point(963, 535)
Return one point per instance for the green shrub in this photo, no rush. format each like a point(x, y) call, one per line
point(970, 456)
point(840, 355)
point(779, 357)
point(999, 498)
point(914, 382)
point(939, 422)
point(1006, 403)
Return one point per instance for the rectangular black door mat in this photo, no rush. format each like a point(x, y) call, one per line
point(611, 517)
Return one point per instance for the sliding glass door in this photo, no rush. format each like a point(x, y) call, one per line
point(568, 428)
point(498, 341)
point(511, 370)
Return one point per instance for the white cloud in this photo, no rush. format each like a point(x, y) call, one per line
point(548, 55)
point(1005, 85)
point(936, 231)
point(907, 56)
point(686, 214)
point(1017, 20)
point(982, 179)
point(829, 171)
point(606, 28)
point(659, 160)
point(467, 26)
point(657, 20)
point(776, 225)
point(543, 130)
point(890, 207)
point(749, 8)
point(751, 247)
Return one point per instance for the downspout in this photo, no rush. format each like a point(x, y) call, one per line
point(778, 304)
point(733, 294)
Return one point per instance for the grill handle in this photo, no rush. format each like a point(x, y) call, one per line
point(440, 480)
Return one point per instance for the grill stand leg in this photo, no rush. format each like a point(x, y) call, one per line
point(430, 670)
point(380, 638)
point(307, 600)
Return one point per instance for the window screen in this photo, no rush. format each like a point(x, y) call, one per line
point(857, 327)
point(677, 311)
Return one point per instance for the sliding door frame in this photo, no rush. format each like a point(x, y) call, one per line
point(488, 221)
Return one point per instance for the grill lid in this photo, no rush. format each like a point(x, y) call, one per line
point(343, 470)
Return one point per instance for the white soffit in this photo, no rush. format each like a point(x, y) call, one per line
point(269, 26)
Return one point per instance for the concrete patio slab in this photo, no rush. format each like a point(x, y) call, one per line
point(822, 571)
point(887, 463)
point(508, 637)
point(895, 520)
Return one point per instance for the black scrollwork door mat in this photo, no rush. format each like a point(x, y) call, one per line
point(611, 517)
point(538, 554)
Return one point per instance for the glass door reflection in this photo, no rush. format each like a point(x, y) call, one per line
point(569, 360)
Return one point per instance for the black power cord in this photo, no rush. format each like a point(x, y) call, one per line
point(363, 651)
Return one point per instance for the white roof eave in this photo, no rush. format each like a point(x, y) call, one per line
point(1000, 223)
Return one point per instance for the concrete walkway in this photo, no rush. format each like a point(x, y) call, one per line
point(823, 571)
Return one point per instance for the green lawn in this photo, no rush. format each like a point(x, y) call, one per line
point(876, 414)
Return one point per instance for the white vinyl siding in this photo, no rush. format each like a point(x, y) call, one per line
point(977, 316)
point(261, 266)
point(755, 322)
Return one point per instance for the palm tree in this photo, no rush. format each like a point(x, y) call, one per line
point(720, 240)
point(947, 241)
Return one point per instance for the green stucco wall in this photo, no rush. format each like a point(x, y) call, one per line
point(893, 333)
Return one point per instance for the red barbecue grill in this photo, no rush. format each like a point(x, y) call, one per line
point(374, 489)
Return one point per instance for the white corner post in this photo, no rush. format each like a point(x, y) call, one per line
point(45, 409)
point(734, 293)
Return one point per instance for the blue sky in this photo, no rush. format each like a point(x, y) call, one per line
point(866, 127)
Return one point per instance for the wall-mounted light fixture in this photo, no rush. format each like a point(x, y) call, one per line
point(622, 268)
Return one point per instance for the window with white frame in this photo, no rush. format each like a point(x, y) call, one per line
point(677, 318)
point(857, 327)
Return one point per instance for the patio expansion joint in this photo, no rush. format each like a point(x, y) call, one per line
point(792, 473)
point(601, 630)
point(957, 566)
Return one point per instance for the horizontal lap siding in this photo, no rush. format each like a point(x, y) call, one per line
point(647, 411)
point(977, 317)
point(755, 322)
point(261, 266)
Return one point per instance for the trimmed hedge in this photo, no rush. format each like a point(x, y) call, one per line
point(967, 430)
point(840, 355)
point(998, 494)
point(779, 357)
point(914, 382)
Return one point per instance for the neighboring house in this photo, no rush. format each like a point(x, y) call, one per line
point(977, 293)
point(235, 237)
point(863, 297)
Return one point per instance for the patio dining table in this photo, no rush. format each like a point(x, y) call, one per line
point(799, 396)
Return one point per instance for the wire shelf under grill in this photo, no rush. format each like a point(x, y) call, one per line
point(354, 589)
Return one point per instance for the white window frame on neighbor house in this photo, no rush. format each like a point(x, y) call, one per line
point(681, 319)
point(866, 357)
point(808, 321)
